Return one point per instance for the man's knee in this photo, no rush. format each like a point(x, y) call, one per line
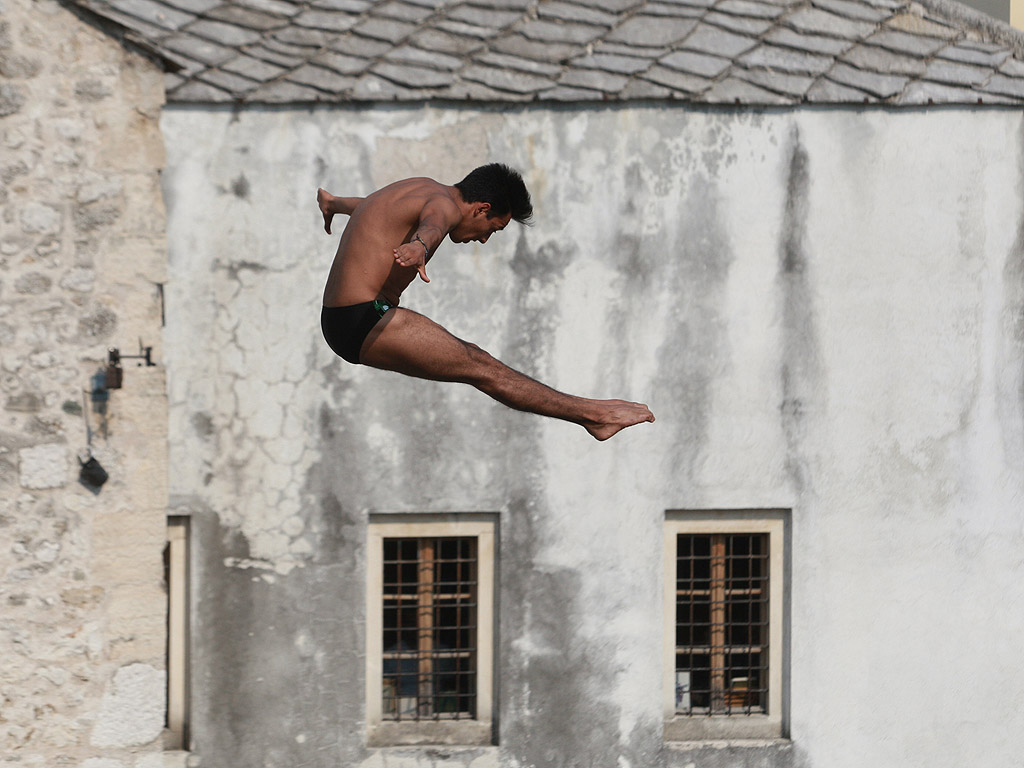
point(482, 365)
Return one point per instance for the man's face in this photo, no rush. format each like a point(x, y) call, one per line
point(479, 225)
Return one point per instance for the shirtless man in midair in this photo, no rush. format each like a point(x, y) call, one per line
point(389, 238)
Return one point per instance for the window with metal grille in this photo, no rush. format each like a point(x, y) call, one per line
point(429, 628)
point(726, 653)
point(722, 614)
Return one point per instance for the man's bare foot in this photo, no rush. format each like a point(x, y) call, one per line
point(323, 199)
point(616, 416)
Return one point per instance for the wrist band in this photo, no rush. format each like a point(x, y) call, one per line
point(426, 251)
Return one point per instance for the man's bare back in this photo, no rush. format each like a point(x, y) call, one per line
point(388, 240)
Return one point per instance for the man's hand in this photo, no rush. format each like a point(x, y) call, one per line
point(413, 255)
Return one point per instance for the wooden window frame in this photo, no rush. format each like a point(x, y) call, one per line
point(477, 731)
point(700, 727)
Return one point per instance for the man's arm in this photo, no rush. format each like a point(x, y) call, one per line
point(330, 205)
point(438, 217)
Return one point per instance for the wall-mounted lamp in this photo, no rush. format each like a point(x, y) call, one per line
point(115, 374)
point(92, 474)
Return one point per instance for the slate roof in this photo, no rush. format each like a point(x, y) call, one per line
point(749, 52)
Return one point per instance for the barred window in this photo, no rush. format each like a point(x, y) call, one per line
point(722, 645)
point(724, 634)
point(430, 629)
point(429, 669)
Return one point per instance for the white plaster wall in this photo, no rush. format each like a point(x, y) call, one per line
point(822, 308)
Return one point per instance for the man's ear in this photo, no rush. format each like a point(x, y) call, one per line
point(484, 208)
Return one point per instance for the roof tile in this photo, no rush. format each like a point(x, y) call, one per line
point(909, 22)
point(194, 6)
point(321, 78)
point(326, 21)
point(559, 32)
point(954, 73)
point(1012, 67)
point(284, 92)
point(923, 92)
point(411, 55)
point(853, 10)
point(228, 81)
point(402, 11)
point(794, 86)
point(254, 69)
point(536, 49)
point(902, 42)
point(594, 80)
point(644, 89)
point(735, 91)
point(265, 53)
point(623, 65)
point(810, 43)
point(505, 80)
point(518, 63)
point(200, 91)
point(154, 13)
point(684, 11)
point(413, 76)
point(488, 18)
point(882, 86)
point(702, 64)
point(357, 45)
point(445, 42)
point(467, 30)
point(614, 6)
point(786, 60)
point(709, 39)
point(567, 93)
point(678, 81)
point(818, 22)
point(745, 25)
point(576, 12)
point(968, 55)
point(370, 87)
point(302, 37)
point(824, 91)
point(504, 5)
point(881, 60)
point(750, 8)
point(388, 30)
point(279, 7)
point(1008, 86)
point(341, 63)
point(652, 30)
point(244, 17)
point(473, 91)
point(225, 34)
point(202, 51)
point(639, 51)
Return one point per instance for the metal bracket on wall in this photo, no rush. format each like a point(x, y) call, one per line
point(115, 374)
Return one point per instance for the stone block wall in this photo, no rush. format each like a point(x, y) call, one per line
point(82, 261)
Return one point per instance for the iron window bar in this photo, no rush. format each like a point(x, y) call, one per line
point(721, 624)
point(429, 628)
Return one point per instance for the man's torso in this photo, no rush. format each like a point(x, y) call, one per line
point(364, 267)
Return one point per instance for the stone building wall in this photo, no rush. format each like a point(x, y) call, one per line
point(82, 262)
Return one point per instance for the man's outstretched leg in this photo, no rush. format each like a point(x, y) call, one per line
point(412, 344)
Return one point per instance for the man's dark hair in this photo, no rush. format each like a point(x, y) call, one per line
point(500, 186)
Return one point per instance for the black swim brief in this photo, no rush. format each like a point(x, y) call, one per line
point(346, 328)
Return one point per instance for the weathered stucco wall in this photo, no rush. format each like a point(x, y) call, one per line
point(824, 310)
point(82, 255)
